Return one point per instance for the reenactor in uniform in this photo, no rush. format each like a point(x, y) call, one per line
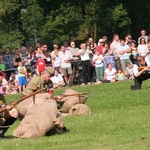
point(40, 81)
point(8, 117)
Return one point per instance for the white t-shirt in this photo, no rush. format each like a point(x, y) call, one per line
point(114, 46)
point(57, 79)
point(130, 71)
point(74, 51)
point(125, 55)
point(135, 69)
point(98, 62)
point(63, 57)
point(142, 49)
point(110, 75)
point(85, 55)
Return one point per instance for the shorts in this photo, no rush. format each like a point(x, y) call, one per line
point(66, 71)
point(22, 80)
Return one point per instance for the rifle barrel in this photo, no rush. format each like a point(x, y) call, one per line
point(2, 109)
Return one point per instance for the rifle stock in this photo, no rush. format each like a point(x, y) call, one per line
point(2, 109)
point(66, 95)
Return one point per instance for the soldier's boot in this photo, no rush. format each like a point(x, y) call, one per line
point(6, 125)
point(60, 130)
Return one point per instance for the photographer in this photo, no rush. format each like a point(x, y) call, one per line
point(128, 39)
point(141, 73)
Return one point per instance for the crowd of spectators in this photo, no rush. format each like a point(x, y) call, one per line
point(91, 63)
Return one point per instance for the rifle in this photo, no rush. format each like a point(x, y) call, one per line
point(141, 68)
point(66, 95)
point(2, 109)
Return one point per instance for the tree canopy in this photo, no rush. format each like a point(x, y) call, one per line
point(57, 21)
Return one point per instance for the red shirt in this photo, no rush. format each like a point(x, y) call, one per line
point(40, 64)
point(100, 49)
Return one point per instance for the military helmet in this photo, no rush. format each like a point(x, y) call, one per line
point(50, 70)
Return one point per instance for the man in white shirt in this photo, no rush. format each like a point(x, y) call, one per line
point(74, 51)
point(141, 72)
point(113, 47)
point(124, 52)
point(65, 65)
point(86, 64)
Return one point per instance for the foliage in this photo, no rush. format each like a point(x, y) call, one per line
point(56, 21)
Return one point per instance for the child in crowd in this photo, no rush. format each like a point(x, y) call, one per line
point(11, 88)
point(99, 69)
point(40, 64)
point(57, 80)
point(120, 75)
point(134, 52)
point(14, 79)
point(22, 77)
point(129, 71)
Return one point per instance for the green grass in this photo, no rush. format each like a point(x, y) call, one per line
point(120, 120)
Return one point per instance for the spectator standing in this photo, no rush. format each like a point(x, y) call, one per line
point(39, 52)
point(24, 54)
point(134, 52)
point(99, 69)
point(66, 45)
point(22, 77)
point(40, 64)
point(124, 51)
point(90, 40)
point(108, 57)
point(128, 39)
point(100, 47)
point(16, 59)
point(143, 35)
point(2, 63)
point(55, 58)
point(32, 62)
point(74, 51)
point(142, 47)
point(86, 64)
point(8, 58)
point(30, 51)
point(46, 52)
point(65, 65)
point(113, 48)
point(92, 48)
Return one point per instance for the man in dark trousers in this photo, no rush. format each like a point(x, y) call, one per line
point(141, 72)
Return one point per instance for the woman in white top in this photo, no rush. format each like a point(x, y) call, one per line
point(142, 47)
point(110, 74)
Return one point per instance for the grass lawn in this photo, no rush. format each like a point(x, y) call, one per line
point(120, 120)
